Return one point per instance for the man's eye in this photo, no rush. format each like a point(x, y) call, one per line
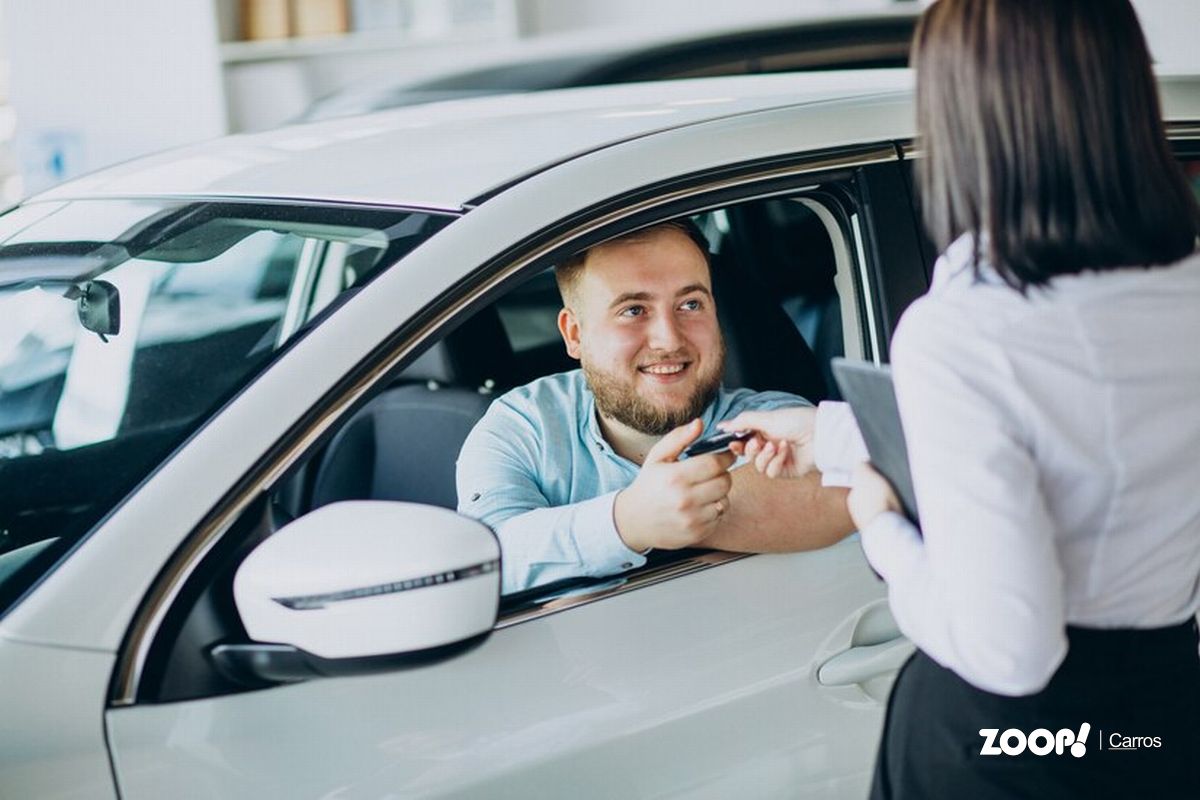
point(633, 311)
point(691, 305)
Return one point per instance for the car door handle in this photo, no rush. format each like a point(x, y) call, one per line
point(860, 664)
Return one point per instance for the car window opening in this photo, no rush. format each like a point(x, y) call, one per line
point(780, 299)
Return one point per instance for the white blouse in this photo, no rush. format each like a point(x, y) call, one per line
point(1054, 441)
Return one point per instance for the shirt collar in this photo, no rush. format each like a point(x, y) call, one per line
point(591, 418)
point(955, 264)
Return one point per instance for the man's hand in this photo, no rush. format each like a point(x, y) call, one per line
point(782, 446)
point(674, 504)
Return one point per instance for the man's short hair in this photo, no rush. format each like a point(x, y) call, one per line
point(568, 272)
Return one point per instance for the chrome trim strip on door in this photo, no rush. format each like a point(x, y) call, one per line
point(619, 584)
point(131, 661)
point(864, 278)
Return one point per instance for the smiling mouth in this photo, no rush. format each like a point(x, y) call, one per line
point(666, 369)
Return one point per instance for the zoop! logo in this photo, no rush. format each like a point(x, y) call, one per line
point(1041, 742)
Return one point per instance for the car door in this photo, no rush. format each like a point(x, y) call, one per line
point(719, 674)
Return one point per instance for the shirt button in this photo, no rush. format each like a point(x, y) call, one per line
point(627, 565)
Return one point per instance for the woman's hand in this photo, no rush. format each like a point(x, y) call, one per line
point(870, 496)
point(782, 445)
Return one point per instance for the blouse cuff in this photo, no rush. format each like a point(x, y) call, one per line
point(893, 545)
point(837, 444)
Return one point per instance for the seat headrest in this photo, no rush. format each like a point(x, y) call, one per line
point(476, 354)
point(432, 365)
point(764, 350)
point(787, 247)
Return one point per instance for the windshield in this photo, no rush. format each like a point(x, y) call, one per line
point(125, 324)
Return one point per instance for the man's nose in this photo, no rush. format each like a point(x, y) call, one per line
point(665, 333)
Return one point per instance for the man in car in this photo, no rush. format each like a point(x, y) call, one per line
point(578, 473)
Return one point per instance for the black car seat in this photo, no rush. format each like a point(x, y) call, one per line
point(764, 349)
point(403, 444)
point(786, 247)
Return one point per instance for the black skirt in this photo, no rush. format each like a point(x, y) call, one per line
point(1138, 690)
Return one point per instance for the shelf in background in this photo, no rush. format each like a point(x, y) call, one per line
point(339, 44)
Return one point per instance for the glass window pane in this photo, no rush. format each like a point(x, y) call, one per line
point(124, 325)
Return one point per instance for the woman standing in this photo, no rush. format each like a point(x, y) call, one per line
point(1049, 385)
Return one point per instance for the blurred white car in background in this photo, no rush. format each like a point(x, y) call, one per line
point(602, 57)
point(215, 363)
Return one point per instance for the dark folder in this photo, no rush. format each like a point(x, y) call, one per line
point(869, 391)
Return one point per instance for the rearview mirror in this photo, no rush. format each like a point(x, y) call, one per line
point(360, 587)
point(99, 307)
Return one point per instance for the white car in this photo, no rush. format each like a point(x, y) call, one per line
point(601, 57)
point(216, 363)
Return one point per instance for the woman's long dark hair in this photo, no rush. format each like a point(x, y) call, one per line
point(1041, 126)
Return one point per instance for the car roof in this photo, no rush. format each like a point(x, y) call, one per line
point(443, 155)
point(448, 155)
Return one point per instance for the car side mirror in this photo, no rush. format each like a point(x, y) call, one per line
point(360, 587)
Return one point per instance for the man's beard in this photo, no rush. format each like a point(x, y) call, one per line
point(619, 399)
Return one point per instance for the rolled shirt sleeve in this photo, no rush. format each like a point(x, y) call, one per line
point(548, 544)
point(540, 542)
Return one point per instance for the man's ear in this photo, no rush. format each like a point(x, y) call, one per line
point(568, 326)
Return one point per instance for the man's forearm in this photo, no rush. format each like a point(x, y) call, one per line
point(774, 516)
point(546, 544)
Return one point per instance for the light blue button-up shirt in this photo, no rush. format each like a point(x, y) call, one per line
point(536, 468)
